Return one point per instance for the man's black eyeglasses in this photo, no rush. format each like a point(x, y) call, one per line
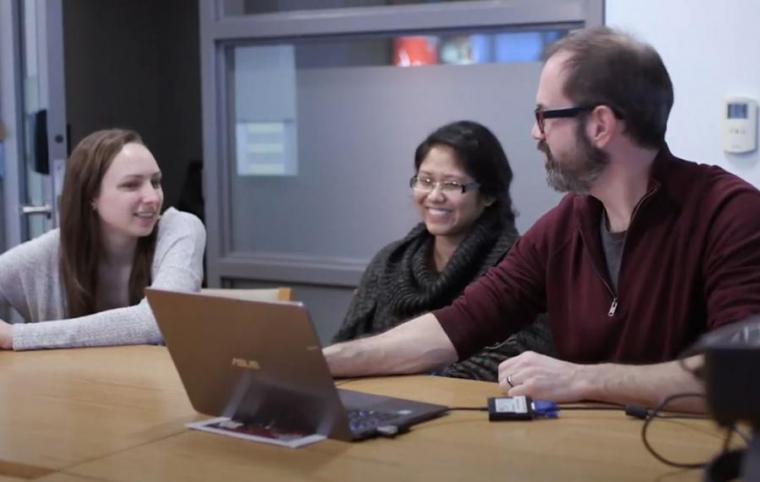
point(542, 115)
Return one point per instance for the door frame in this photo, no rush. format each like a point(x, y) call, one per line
point(12, 113)
point(53, 97)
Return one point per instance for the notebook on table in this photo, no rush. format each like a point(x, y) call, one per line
point(261, 362)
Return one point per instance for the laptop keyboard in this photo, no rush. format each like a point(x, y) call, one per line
point(364, 423)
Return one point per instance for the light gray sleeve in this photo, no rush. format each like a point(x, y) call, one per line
point(11, 265)
point(177, 266)
point(28, 278)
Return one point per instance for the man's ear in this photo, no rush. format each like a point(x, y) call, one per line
point(602, 126)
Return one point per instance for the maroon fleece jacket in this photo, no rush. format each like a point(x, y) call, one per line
point(691, 263)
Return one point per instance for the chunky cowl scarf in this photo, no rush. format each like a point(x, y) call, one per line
point(401, 282)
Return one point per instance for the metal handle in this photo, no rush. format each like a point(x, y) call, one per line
point(44, 209)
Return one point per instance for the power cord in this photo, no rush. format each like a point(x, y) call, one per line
point(630, 410)
point(655, 413)
point(635, 411)
point(525, 408)
point(644, 414)
point(596, 406)
point(468, 409)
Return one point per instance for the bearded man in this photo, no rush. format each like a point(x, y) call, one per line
point(645, 253)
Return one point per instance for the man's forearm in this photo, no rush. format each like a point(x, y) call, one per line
point(415, 346)
point(646, 385)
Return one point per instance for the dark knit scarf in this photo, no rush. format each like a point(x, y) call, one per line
point(411, 284)
point(407, 283)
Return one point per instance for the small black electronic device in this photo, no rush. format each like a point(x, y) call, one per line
point(731, 374)
point(731, 371)
point(510, 408)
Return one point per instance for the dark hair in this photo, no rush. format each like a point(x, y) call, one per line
point(614, 69)
point(80, 224)
point(482, 158)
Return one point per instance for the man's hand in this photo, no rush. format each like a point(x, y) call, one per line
point(6, 336)
point(543, 377)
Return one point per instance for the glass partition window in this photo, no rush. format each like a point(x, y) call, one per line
point(268, 62)
point(325, 131)
point(477, 48)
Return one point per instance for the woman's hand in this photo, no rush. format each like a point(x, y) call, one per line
point(6, 336)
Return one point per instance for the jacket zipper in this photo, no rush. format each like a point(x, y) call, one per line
point(614, 305)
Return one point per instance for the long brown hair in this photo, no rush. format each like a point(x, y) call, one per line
point(80, 224)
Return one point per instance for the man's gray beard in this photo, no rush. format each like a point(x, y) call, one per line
point(579, 176)
point(571, 181)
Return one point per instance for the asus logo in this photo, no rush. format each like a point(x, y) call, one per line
point(246, 364)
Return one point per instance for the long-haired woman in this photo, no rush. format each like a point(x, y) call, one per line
point(82, 284)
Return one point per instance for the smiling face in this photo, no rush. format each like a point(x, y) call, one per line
point(130, 196)
point(447, 214)
point(572, 162)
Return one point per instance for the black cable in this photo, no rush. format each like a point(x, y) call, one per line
point(686, 416)
point(648, 416)
point(559, 407)
point(562, 406)
point(727, 441)
point(621, 408)
point(633, 411)
point(656, 414)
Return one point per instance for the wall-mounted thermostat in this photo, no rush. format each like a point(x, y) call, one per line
point(739, 125)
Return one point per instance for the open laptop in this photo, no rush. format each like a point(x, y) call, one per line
point(261, 362)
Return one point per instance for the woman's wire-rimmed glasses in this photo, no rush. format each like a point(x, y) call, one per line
point(427, 184)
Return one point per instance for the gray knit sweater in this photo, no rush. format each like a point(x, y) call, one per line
point(30, 284)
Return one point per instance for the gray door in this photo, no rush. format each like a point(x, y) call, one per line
point(33, 104)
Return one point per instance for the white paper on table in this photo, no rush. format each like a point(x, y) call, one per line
point(255, 432)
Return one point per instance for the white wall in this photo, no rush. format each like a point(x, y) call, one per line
point(712, 50)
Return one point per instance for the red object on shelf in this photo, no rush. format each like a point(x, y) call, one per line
point(413, 51)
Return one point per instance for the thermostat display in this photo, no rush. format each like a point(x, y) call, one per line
point(739, 125)
point(737, 111)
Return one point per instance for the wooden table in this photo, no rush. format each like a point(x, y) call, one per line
point(119, 414)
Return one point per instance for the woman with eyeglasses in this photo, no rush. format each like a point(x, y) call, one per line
point(461, 190)
point(82, 284)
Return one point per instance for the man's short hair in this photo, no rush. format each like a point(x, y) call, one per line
point(614, 69)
